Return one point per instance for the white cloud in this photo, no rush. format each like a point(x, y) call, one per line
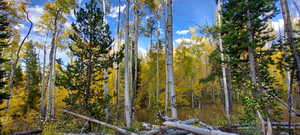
point(182, 32)
point(142, 52)
point(115, 11)
point(278, 26)
point(183, 40)
point(68, 24)
point(19, 26)
point(35, 13)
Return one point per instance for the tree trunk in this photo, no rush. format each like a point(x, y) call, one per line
point(106, 95)
point(290, 105)
point(224, 76)
point(53, 96)
point(105, 74)
point(134, 54)
point(51, 69)
point(157, 73)
point(167, 86)
point(253, 75)
point(136, 40)
point(118, 65)
point(43, 92)
point(288, 30)
point(170, 58)
point(127, 75)
point(167, 91)
point(15, 63)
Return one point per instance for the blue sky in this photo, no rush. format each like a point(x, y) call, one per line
point(187, 13)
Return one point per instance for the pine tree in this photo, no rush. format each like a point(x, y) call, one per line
point(92, 46)
point(245, 33)
point(32, 77)
point(4, 36)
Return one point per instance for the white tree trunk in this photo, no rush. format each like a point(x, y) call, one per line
point(136, 41)
point(53, 85)
point(224, 79)
point(106, 94)
point(43, 91)
point(51, 67)
point(127, 75)
point(170, 58)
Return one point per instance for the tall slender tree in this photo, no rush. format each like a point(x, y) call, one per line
point(56, 10)
point(170, 77)
point(127, 76)
point(224, 75)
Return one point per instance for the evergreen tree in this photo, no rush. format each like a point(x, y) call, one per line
point(92, 44)
point(32, 77)
point(245, 28)
point(5, 34)
point(18, 77)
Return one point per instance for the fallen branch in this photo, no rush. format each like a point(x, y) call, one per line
point(118, 129)
point(31, 132)
point(206, 126)
point(286, 105)
point(283, 103)
point(194, 129)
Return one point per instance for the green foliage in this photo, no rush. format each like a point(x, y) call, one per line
point(5, 34)
point(92, 46)
point(32, 77)
point(243, 20)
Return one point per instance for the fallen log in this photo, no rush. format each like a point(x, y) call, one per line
point(275, 125)
point(206, 125)
point(31, 132)
point(194, 129)
point(84, 134)
point(118, 129)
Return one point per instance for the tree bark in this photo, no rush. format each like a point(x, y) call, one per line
point(43, 91)
point(196, 130)
point(105, 74)
point(53, 85)
point(127, 75)
point(51, 66)
point(136, 40)
point(170, 58)
point(106, 95)
point(224, 76)
point(15, 63)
